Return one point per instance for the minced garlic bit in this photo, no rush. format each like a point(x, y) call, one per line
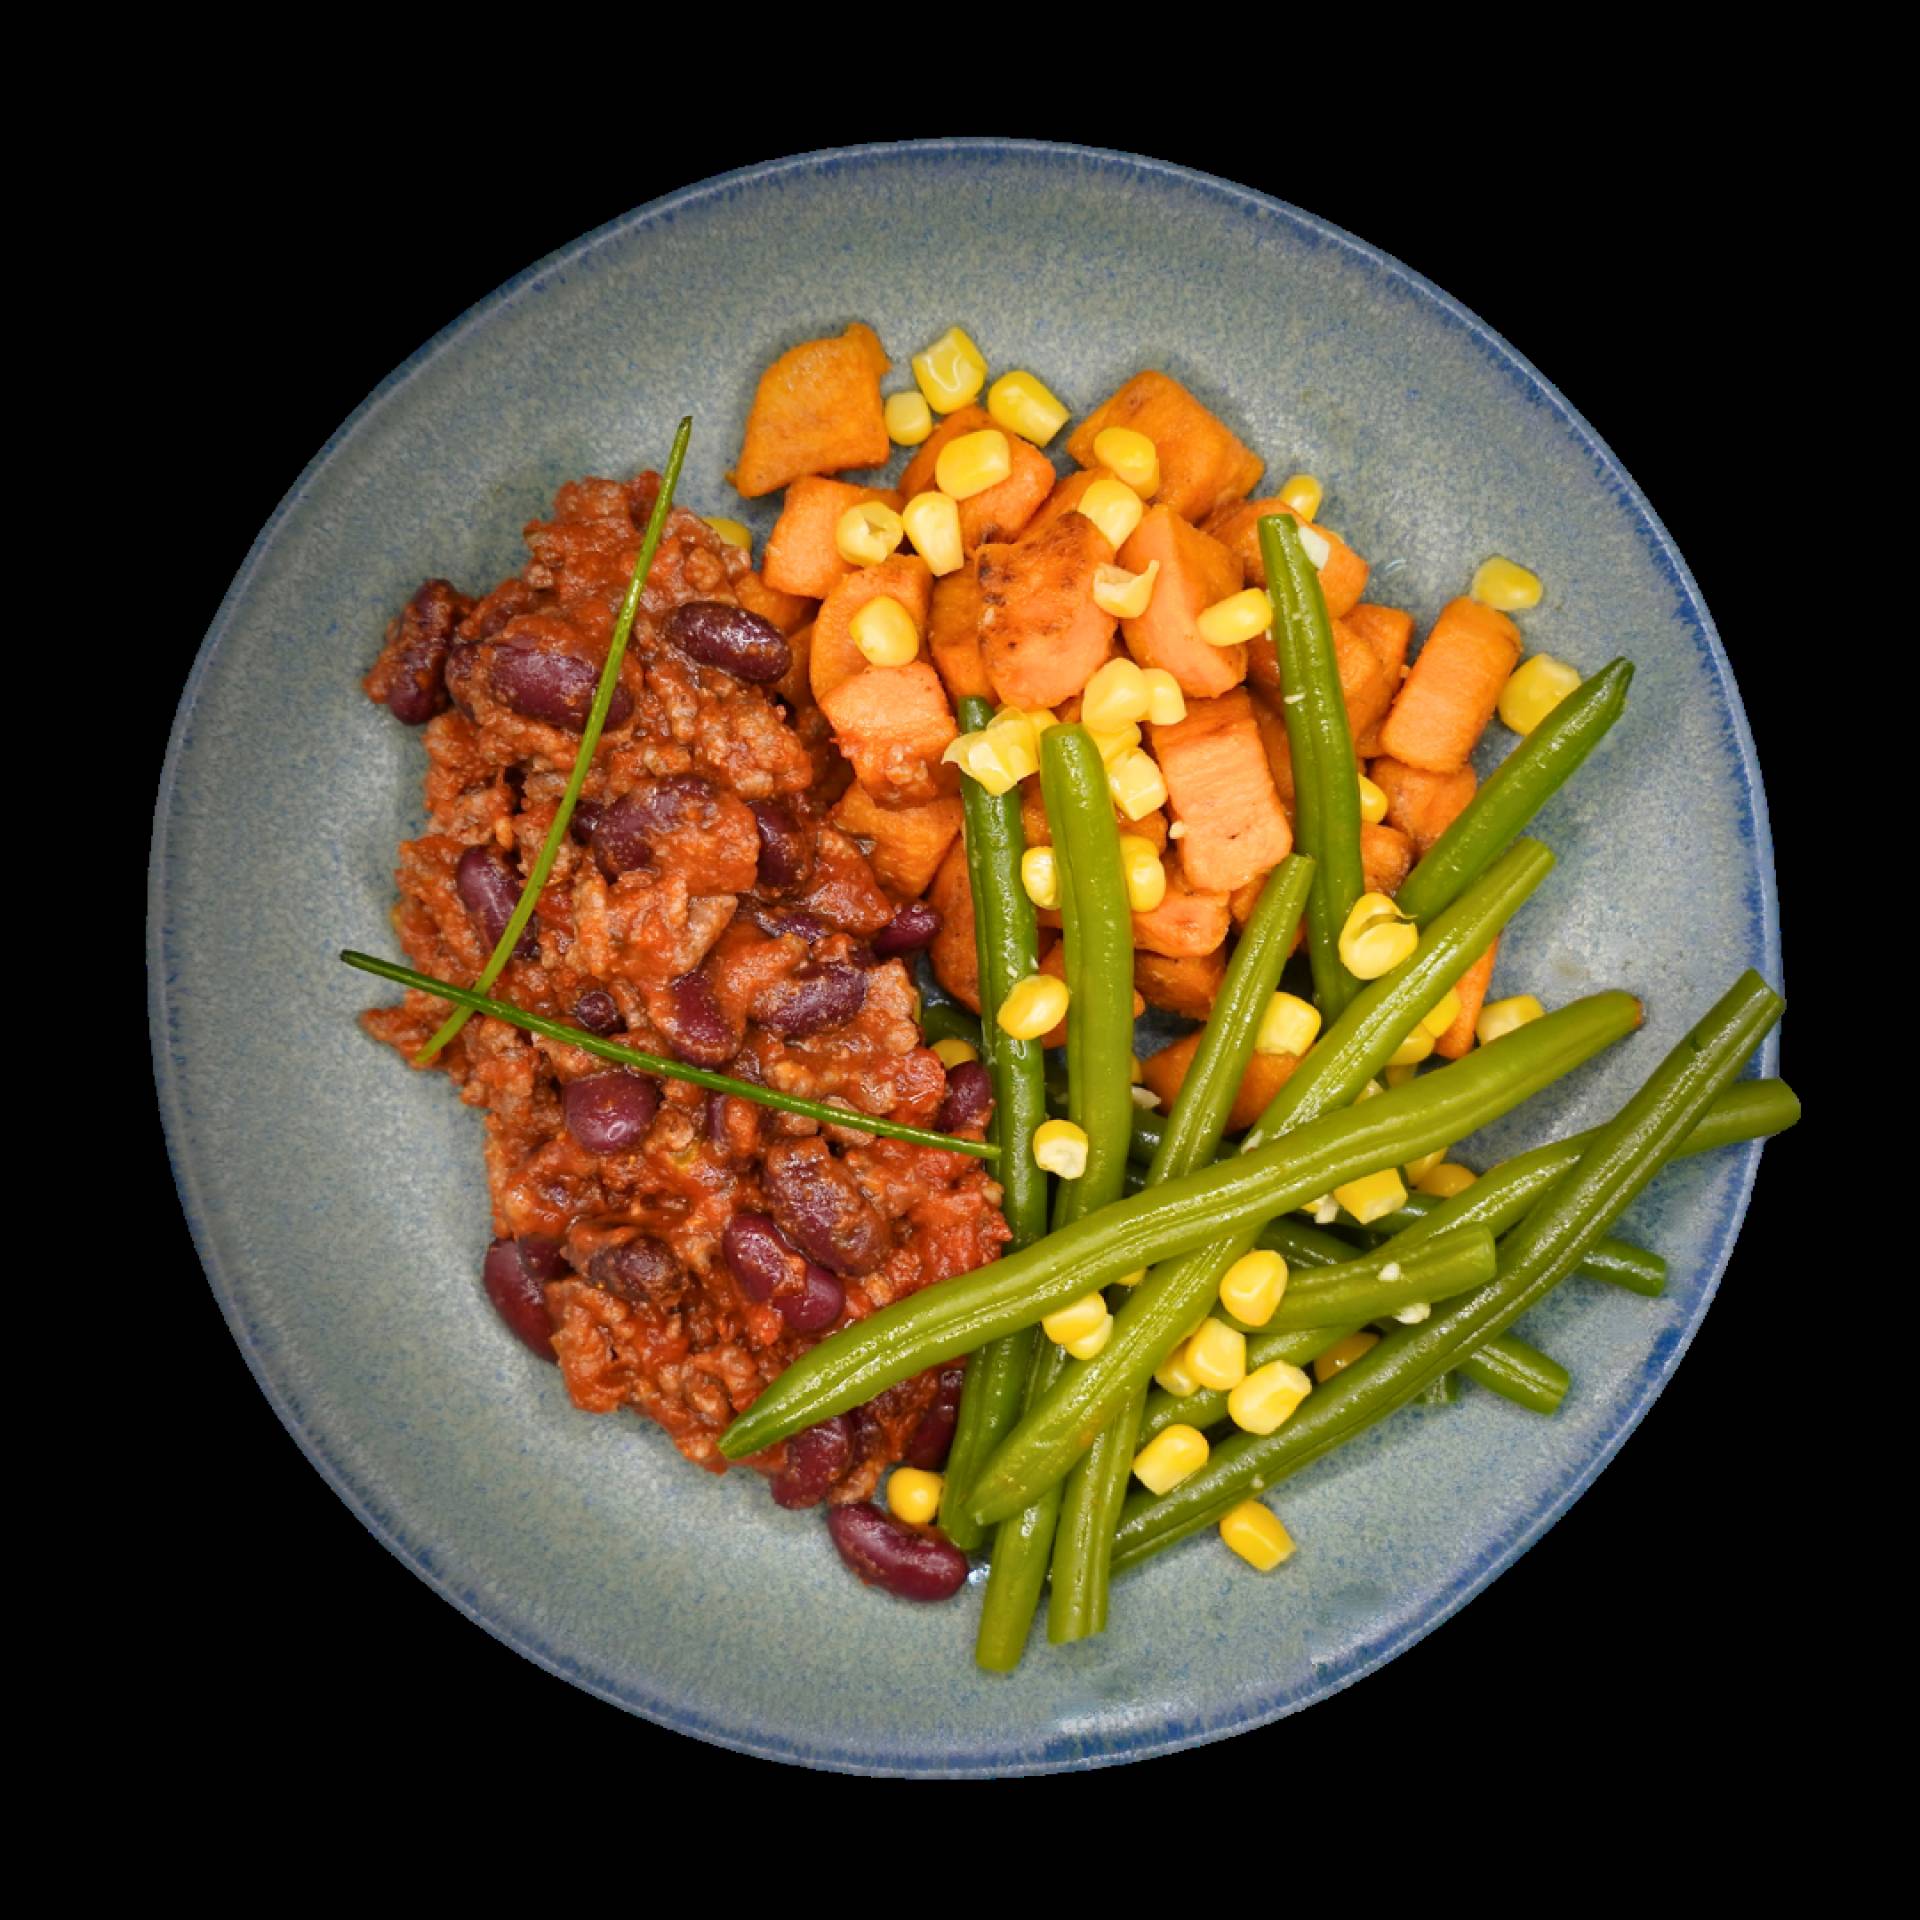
point(1413, 1314)
point(1391, 1271)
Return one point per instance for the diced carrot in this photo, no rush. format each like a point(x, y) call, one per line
point(1054, 961)
point(1064, 498)
point(1342, 580)
point(816, 410)
point(894, 723)
point(1386, 857)
point(1000, 512)
point(795, 686)
point(1041, 635)
point(1195, 571)
point(907, 843)
point(1165, 1072)
point(1186, 986)
point(1222, 793)
point(1472, 988)
point(836, 657)
point(1187, 921)
point(953, 634)
point(1450, 695)
point(802, 555)
point(954, 957)
point(1387, 630)
point(1203, 465)
point(1422, 805)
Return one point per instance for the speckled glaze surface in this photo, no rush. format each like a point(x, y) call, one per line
point(338, 1200)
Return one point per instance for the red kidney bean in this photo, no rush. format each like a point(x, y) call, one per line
point(969, 1099)
point(812, 1000)
point(776, 920)
point(815, 1304)
point(586, 816)
point(643, 1272)
point(884, 1553)
point(817, 1457)
point(912, 928)
point(818, 1205)
point(555, 687)
point(610, 1112)
point(627, 832)
point(463, 657)
point(598, 1011)
point(786, 854)
point(418, 690)
point(517, 1298)
point(757, 1254)
point(933, 1437)
point(693, 1024)
point(490, 891)
point(719, 634)
point(542, 1256)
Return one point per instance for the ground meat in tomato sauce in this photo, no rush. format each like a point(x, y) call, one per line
point(655, 924)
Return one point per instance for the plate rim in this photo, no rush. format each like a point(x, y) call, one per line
point(1137, 1744)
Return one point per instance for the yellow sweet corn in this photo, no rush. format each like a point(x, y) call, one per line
point(1289, 1025)
point(1113, 743)
point(1033, 1008)
point(1017, 736)
point(1444, 1015)
point(1534, 689)
point(1040, 876)
point(1447, 1179)
point(1399, 1076)
point(735, 533)
point(1267, 1398)
point(1116, 696)
point(1498, 582)
point(1415, 1169)
point(1132, 1279)
point(1217, 1355)
point(972, 462)
point(1256, 1535)
point(951, 372)
point(1166, 699)
point(1067, 1324)
point(884, 632)
point(1129, 455)
point(1376, 938)
point(864, 535)
point(1124, 595)
point(1022, 404)
point(1412, 1050)
point(1252, 1288)
point(1113, 507)
point(955, 1052)
point(1136, 784)
point(1146, 876)
point(1059, 1145)
point(1373, 802)
point(1499, 1017)
point(1342, 1354)
point(913, 1495)
point(1175, 1375)
point(909, 419)
point(982, 759)
point(1169, 1457)
point(1303, 493)
point(932, 523)
point(1240, 617)
point(1373, 1194)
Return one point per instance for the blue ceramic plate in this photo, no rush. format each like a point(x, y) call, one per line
point(338, 1200)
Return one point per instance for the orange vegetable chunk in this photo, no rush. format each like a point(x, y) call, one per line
point(954, 957)
point(894, 723)
point(953, 634)
point(1195, 571)
point(1041, 635)
point(1448, 698)
point(907, 843)
point(816, 410)
point(802, 556)
point(836, 655)
point(1221, 791)
point(1166, 1071)
point(1342, 580)
point(1002, 510)
point(1188, 921)
point(1203, 465)
point(1422, 805)
point(1186, 986)
point(1472, 988)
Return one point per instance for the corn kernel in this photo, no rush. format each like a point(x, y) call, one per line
point(1146, 876)
point(1116, 696)
point(1124, 595)
point(1376, 938)
point(1253, 1532)
point(1417, 1046)
point(1136, 1072)
point(1166, 699)
point(983, 760)
point(865, 535)
point(1267, 1398)
point(1534, 689)
point(884, 632)
point(1500, 1017)
point(1373, 1194)
point(1059, 1145)
point(1136, 784)
point(1238, 618)
point(1447, 1179)
point(736, 533)
point(1289, 1025)
point(1172, 1455)
point(1075, 1322)
point(1175, 1375)
point(1500, 583)
point(1415, 1170)
point(932, 522)
point(914, 1495)
point(909, 419)
point(1303, 493)
point(1399, 1076)
point(1018, 740)
point(1033, 1008)
point(1112, 507)
point(1444, 1015)
point(1252, 1288)
point(1373, 802)
point(1342, 1354)
point(972, 462)
point(1040, 876)
point(1217, 1355)
point(1091, 1345)
point(1129, 455)
point(1115, 741)
point(1022, 404)
point(1132, 1279)
point(951, 372)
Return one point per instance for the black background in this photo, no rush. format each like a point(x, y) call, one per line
point(1627, 1623)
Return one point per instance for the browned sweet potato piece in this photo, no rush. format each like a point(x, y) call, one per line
point(1422, 805)
point(1386, 857)
point(954, 957)
point(1185, 986)
point(1449, 696)
point(1195, 571)
point(1220, 790)
point(1165, 1071)
point(816, 410)
point(1054, 961)
point(1342, 580)
point(1186, 922)
point(1064, 498)
point(907, 843)
point(953, 634)
point(1472, 987)
point(802, 554)
point(894, 723)
point(1203, 465)
point(905, 576)
point(788, 611)
point(1000, 512)
point(1041, 634)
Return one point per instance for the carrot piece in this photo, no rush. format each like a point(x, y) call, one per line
point(905, 844)
point(1195, 571)
point(953, 634)
point(1450, 695)
point(1342, 580)
point(1164, 1073)
point(1041, 635)
point(1186, 986)
point(1001, 511)
point(816, 410)
point(1188, 921)
point(1422, 805)
point(1065, 498)
point(1203, 464)
point(953, 954)
point(1386, 857)
point(1472, 988)
point(788, 611)
point(905, 576)
point(1222, 793)
point(1054, 961)
point(801, 555)
point(894, 723)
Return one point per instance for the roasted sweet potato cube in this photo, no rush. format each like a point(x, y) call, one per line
point(953, 634)
point(1041, 634)
point(802, 555)
point(1203, 465)
point(905, 576)
point(1222, 793)
point(906, 844)
point(894, 723)
point(816, 410)
point(1195, 571)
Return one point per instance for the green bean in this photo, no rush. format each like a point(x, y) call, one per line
point(1518, 788)
point(932, 1326)
point(1383, 1280)
point(1160, 1311)
point(1326, 777)
point(1548, 1244)
point(1097, 1486)
point(1097, 926)
point(949, 1020)
point(1439, 1393)
point(1007, 940)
